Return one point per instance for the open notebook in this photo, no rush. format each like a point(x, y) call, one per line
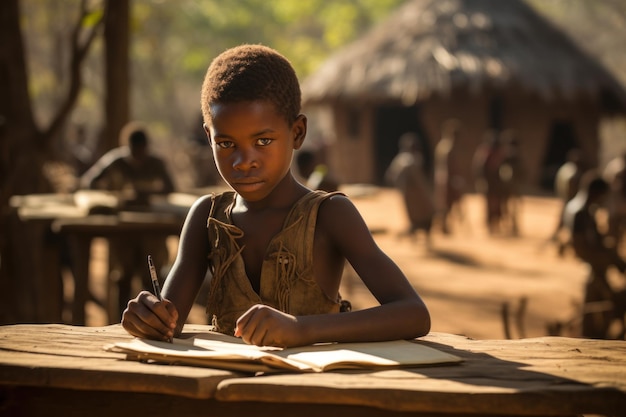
point(216, 350)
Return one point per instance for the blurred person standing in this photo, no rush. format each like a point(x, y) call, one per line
point(566, 185)
point(615, 175)
point(488, 160)
point(512, 177)
point(603, 304)
point(449, 180)
point(406, 173)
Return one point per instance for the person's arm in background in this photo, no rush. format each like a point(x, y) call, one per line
point(168, 183)
point(158, 171)
point(99, 170)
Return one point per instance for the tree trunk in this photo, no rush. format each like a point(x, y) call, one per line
point(117, 66)
point(25, 148)
point(21, 159)
point(21, 141)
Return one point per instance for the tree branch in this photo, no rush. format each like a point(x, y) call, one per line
point(78, 54)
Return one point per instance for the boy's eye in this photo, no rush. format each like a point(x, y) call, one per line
point(225, 144)
point(264, 141)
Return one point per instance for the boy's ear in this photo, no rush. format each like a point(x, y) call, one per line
point(299, 131)
point(208, 133)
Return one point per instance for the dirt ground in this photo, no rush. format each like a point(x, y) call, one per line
point(467, 277)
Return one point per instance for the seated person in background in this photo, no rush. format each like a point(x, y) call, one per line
point(130, 169)
point(314, 175)
point(602, 304)
point(276, 249)
point(136, 174)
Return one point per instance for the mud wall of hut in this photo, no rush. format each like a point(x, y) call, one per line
point(529, 116)
point(352, 158)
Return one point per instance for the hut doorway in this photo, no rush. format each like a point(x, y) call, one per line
point(561, 140)
point(391, 123)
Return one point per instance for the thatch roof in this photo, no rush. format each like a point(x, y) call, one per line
point(432, 46)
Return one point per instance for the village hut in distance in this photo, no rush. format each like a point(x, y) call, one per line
point(491, 64)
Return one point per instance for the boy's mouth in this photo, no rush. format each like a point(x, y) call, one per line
point(247, 185)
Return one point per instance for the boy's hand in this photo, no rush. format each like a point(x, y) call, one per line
point(262, 325)
point(147, 317)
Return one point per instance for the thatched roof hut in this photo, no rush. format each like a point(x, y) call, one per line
point(492, 64)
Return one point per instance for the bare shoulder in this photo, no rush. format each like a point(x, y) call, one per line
point(201, 206)
point(338, 215)
point(198, 213)
point(203, 201)
point(193, 238)
point(338, 205)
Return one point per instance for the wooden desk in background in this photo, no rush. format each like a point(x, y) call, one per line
point(63, 370)
point(68, 215)
point(80, 233)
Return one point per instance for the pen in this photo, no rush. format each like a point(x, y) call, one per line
point(155, 281)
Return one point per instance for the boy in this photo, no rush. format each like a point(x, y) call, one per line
point(275, 248)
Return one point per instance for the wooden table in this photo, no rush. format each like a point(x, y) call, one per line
point(69, 216)
point(80, 233)
point(63, 370)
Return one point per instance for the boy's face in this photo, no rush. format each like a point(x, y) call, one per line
point(253, 145)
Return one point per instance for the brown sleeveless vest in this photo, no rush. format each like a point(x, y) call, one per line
point(287, 281)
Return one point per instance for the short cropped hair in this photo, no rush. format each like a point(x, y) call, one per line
point(134, 135)
point(248, 73)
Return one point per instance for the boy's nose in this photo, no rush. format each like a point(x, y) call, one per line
point(245, 159)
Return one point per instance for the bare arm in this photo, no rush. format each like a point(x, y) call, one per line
point(401, 315)
point(145, 316)
point(99, 169)
point(191, 265)
point(164, 174)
